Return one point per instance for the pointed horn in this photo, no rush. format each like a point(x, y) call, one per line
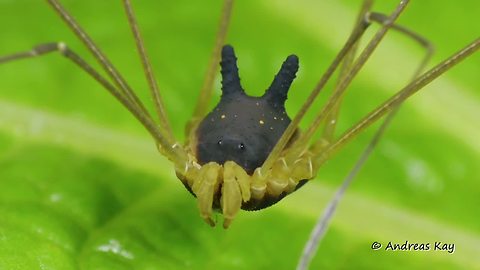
point(230, 78)
point(277, 92)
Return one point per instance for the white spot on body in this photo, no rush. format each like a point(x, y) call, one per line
point(261, 122)
point(223, 116)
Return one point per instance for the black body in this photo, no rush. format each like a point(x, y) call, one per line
point(242, 128)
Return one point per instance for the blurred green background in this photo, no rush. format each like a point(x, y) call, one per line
point(82, 186)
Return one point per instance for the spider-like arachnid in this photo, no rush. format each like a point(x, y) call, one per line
point(247, 153)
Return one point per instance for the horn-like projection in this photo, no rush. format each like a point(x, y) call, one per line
point(230, 78)
point(277, 92)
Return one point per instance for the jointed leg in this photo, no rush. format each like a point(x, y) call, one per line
point(166, 144)
point(205, 185)
point(63, 49)
point(323, 221)
point(207, 87)
point(147, 68)
point(331, 119)
point(389, 107)
point(235, 190)
point(292, 127)
point(99, 56)
point(302, 142)
point(382, 19)
point(206, 181)
point(401, 96)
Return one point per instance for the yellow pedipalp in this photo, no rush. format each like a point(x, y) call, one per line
point(235, 189)
point(205, 186)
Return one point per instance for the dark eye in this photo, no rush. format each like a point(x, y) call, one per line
point(241, 146)
point(220, 142)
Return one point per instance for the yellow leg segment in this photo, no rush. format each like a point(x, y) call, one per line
point(205, 186)
point(302, 168)
point(259, 184)
point(279, 177)
point(235, 189)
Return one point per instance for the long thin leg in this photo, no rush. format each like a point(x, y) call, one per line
point(398, 98)
point(166, 145)
point(390, 107)
point(63, 49)
point(147, 68)
point(331, 119)
point(99, 56)
point(207, 87)
point(323, 222)
point(383, 19)
point(292, 127)
point(302, 143)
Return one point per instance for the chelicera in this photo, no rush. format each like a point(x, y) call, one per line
point(247, 153)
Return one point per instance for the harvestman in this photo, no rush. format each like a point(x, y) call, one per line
point(247, 153)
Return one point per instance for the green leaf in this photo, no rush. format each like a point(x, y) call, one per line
point(82, 186)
